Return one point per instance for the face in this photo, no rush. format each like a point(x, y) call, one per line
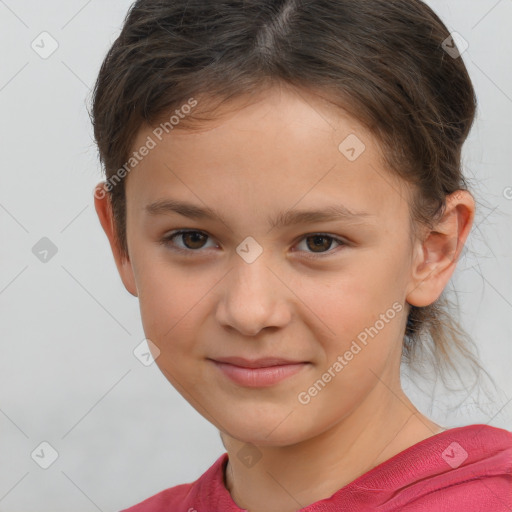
point(274, 325)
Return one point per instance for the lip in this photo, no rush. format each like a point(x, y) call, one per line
point(263, 362)
point(258, 373)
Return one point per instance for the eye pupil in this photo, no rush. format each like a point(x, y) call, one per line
point(194, 235)
point(318, 244)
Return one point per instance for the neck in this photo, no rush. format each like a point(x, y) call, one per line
point(288, 478)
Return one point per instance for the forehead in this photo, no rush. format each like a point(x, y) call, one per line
point(284, 147)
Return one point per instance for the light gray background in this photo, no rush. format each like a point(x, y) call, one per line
point(68, 327)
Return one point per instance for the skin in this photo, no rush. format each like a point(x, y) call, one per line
point(273, 154)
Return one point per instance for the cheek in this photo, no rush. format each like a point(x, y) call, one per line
point(362, 315)
point(167, 294)
point(175, 303)
point(169, 307)
point(367, 325)
point(343, 300)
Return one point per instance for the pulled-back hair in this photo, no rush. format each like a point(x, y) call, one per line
point(382, 61)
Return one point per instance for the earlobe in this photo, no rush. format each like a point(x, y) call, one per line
point(103, 207)
point(435, 258)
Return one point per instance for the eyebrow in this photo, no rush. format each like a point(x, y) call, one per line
point(336, 212)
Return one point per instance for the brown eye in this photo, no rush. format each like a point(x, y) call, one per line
point(191, 241)
point(319, 242)
point(319, 245)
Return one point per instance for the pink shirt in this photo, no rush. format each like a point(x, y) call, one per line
point(464, 469)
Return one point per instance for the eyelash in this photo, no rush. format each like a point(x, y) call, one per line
point(167, 242)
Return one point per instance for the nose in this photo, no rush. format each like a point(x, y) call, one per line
point(253, 297)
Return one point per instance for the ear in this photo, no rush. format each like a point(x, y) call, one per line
point(104, 210)
point(435, 257)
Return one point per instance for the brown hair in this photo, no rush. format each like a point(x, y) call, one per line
point(382, 61)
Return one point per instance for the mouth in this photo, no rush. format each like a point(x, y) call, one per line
point(258, 373)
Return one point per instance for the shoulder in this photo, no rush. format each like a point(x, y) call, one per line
point(479, 469)
point(466, 468)
point(185, 497)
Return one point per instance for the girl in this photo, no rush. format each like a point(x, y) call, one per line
point(284, 195)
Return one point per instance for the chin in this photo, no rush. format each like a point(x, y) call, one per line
point(267, 430)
